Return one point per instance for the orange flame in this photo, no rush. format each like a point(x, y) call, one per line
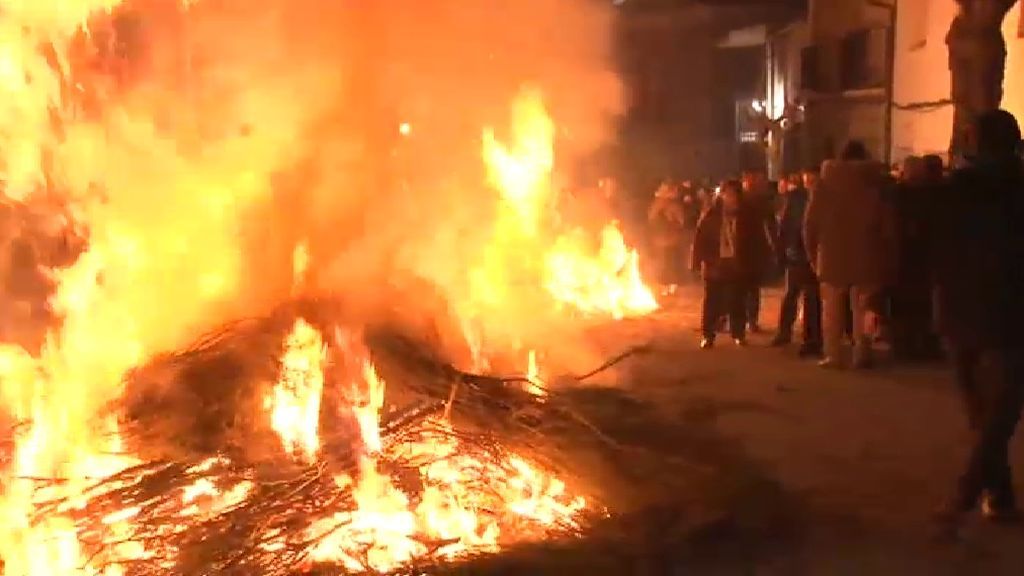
point(527, 244)
point(387, 530)
point(295, 402)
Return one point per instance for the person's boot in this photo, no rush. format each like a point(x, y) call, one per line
point(781, 340)
point(707, 343)
point(1000, 510)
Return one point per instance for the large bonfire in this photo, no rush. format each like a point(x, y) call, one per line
point(151, 436)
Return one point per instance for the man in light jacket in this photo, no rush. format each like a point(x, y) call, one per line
point(848, 232)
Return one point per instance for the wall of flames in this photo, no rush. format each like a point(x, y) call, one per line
point(179, 167)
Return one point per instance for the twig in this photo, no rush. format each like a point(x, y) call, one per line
point(634, 351)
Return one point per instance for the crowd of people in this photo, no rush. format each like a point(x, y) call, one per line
point(927, 258)
point(853, 260)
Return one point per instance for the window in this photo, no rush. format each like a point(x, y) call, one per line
point(810, 78)
point(914, 17)
point(863, 59)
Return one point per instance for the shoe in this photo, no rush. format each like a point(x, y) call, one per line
point(999, 513)
point(755, 328)
point(741, 342)
point(781, 341)
point(707, 343)
point(830, 364)
point(810, 351)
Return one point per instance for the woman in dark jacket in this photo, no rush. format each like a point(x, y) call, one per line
point(726, 253)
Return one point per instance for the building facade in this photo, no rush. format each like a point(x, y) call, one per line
point(835, 68)
point(922, 112)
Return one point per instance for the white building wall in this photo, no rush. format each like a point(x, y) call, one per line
point(922, 75)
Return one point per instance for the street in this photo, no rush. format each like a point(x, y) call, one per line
point(759, 463)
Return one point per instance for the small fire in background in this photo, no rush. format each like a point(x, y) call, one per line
point(405, 129)
point(593, 274)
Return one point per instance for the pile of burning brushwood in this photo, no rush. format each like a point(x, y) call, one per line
point(268, 448)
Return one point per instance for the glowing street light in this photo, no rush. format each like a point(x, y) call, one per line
point(405, 128)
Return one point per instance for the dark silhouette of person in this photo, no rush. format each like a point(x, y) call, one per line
point(977, 251)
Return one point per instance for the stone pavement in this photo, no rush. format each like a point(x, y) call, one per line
point(860, 458)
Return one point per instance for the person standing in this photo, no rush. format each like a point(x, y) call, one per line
point(911, 296)
point(848, 235)
point(758, 196)
point(977, 247)
point(801, 282)
point(725, 250)
point(667, 220)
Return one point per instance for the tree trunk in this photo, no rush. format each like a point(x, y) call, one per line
point(977, 64)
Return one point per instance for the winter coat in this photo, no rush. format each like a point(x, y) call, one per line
point(761, 207)
point(912, 204)
point(791, 249)
point(977, 257)
point(848, 228)
point(705, 255)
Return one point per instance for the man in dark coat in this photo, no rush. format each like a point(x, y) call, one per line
point(759, 198)
point(977, 250)
point(725, 252)
point(800, 277)
point(913, 337)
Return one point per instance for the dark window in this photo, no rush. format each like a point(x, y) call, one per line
point(810, 75)
point(853, 59)
point(862, 59)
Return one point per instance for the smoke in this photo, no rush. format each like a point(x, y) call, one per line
point(200, 142)
point(376, 203)
point(447, 69)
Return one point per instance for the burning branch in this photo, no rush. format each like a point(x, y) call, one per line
point(215, 493)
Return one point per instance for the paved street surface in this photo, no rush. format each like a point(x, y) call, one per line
point(797, 470)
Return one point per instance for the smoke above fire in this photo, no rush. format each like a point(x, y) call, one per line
point(200, 142)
